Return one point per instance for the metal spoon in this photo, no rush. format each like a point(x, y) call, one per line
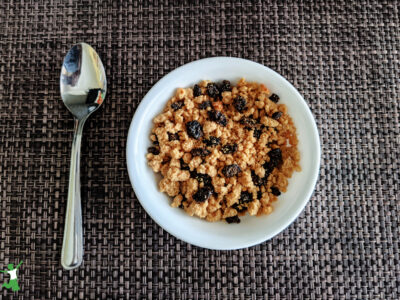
point(83, 88)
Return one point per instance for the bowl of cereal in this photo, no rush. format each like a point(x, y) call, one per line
point(223, 153)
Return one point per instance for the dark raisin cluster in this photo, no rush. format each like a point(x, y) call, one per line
point(215, 90)
point(205, 104)
point(275, 191)
point(212, 141)
point(200, 152)
point(202, 194)
point(274, 98)
point(218, 117)
point(276, 115)
point(196, 90)
point(154, 150)
point(248, 121)
point(275, 159)
point(239, 103)
point(245, 198)
point(229, 148)
point(194, 129)
point(257, 133)
point(225, 86)
point(275, 155)
point(212, 90)
point(257, 180)
point(177, 105)
point(234, 219)
point(202, 178)
point(231, 170)
point(173, 136)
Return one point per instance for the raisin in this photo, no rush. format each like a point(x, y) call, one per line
point(275, 154)
point(225, 86)
point(248, 121)
point(166, 160)
point(202, 194)
point(177, 105)
point(257, 133)
point(204, 178)
point(234, 219)
point(212, 90)
point(257, 180)
point(245, 197)
point(259, 195)
point(196, 90)
point(239, 208)
point(229, 148)
point(194, 129)
point(173, 136)
point(275, 159)
point(153, 150)
point(269, 166)
point(205, 104)
point(239, 103)
point(184, 166)
point(274, 98)
point(212, 141)
point(275, 191)
point(231, 170)
point(218, 117)
point(276, 115)
point(200, 152)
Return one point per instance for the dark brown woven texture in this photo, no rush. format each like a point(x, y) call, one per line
point(343, 56)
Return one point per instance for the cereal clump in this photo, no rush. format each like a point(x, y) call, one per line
point(224, 150)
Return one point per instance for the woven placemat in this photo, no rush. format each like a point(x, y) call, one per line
point(343, 56)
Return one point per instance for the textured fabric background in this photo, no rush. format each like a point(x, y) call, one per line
point(343, 56)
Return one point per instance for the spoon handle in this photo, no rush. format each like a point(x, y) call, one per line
point(72, 248)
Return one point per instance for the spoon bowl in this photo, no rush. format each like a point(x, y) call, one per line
point(83, 87)
point(83, 84)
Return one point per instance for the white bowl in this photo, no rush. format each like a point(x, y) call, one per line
point(220, 235)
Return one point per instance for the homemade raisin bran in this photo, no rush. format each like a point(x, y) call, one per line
point(226, 151)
